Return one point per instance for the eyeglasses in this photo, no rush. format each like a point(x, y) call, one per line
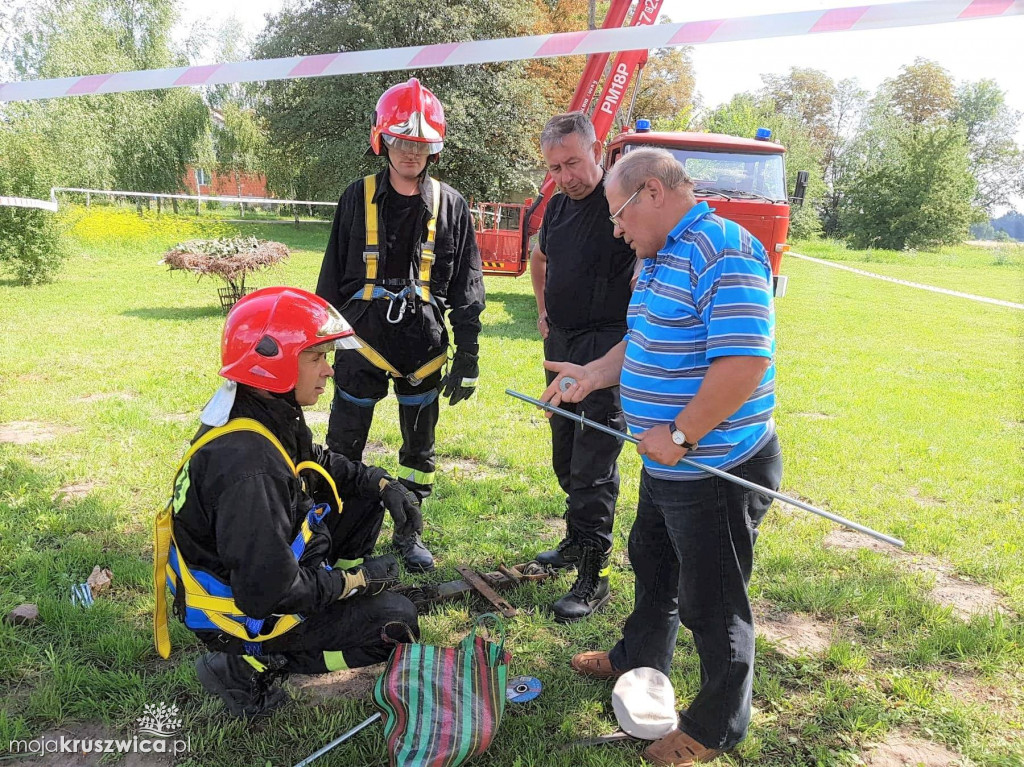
point(614, 217)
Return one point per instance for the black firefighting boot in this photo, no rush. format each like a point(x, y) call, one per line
point(565, 554)
point(415, 555)
point(246, 690)
point(590, 591)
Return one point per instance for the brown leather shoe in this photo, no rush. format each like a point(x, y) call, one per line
point(595, 664)
point(677, 749)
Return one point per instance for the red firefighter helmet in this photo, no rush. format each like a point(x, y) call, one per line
point(411, 112)
point(265, 331)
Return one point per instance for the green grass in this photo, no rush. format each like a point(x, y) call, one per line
point(899, 408)
point(996, 271)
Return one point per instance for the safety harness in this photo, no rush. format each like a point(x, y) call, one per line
point(209, 603)
point(376, 288)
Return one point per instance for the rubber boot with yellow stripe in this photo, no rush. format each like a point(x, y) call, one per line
point(590, 591)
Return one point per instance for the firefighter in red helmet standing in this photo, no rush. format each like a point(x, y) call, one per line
point(402, 253)
point(261, 561)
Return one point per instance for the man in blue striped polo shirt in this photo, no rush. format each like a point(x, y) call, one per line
point(697, 379)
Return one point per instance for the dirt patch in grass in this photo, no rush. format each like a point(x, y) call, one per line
point(965, 597)
point(87, 731)
point(792, 634)
point(375, 447)
point(181, 418)
point(28, 432)
point(815, 416)
point(965, 687)
point(465, 468)
point(354, 684)
point(902, 750)
point(928, 501)
point(73, 492)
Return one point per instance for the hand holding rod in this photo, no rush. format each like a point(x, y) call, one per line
point(717, 472)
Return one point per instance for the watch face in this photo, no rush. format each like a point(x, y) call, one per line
point(678, 437)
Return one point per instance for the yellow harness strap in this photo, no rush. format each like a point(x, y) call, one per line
point(217, 609)
point(370, 258)
point(371, 249)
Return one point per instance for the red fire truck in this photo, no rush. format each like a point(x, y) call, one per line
point(744, 179)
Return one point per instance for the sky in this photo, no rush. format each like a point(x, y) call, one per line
point(969, 50)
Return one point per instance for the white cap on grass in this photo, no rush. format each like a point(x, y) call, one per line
point(645, 704)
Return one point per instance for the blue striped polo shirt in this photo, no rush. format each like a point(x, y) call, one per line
point(707, 294)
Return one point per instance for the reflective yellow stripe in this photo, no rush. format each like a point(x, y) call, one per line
point(604, 573)
point(260, 667)
point(372, 236)
point(217, 609)
point(419, 477)
point(334, 660)
point(348, 564)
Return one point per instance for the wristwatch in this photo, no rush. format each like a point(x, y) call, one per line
point(679, 438)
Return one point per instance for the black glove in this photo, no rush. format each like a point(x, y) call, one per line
point(402, 505)
point(373, 576)
point(460, 383)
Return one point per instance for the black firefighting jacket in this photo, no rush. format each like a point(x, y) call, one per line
point(456, 279)
point(243, 508)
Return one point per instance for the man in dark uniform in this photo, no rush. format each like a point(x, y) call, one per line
point(402, 252)
point(581, 280)
point(264, 565)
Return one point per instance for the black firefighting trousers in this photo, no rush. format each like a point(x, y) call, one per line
point(359, 385)
point(584, 459)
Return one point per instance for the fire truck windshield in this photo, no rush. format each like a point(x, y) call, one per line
point(733, 174)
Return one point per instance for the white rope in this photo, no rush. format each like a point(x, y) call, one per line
point(907, 283)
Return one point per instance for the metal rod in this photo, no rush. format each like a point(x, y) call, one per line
point(339, 740)
point(717, 472)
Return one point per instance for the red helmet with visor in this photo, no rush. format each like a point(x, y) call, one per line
point(408, 112)
point(266, 330)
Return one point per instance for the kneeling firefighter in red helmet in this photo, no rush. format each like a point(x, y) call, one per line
point(402, 253)
point(263, 562)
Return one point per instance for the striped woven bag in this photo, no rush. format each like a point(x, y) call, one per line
point(443, 705)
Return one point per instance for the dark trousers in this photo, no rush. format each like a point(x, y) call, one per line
point(358, 387)
point(691, 549)
point(584, 459)
point(354, 632)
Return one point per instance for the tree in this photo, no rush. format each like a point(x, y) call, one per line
point(923, 92)
point(668, 85)
point(240, 143)
point(558, 76)
point(322, 124)
point(990, 127)
point(136, 141)
point(32, 244)
point(847, 104)
point(910, 185)
point(807, 95)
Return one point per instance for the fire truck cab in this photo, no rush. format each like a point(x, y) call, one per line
point(743, 179)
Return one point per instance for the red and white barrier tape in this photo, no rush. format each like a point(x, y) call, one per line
point(27, 202)
point(854, 18)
